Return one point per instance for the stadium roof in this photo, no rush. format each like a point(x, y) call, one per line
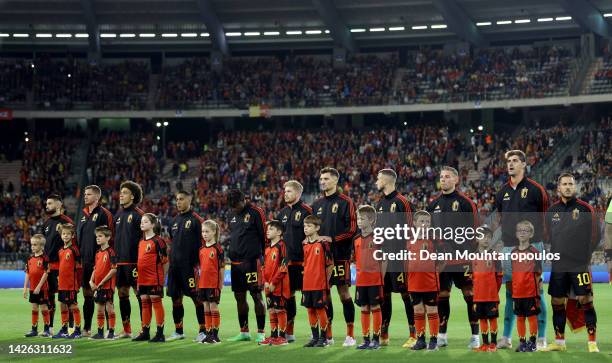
point(229, 24)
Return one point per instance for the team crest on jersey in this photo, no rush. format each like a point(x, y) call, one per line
point(298, 215)
point(575, 214)
point(488, 263)
point(212, 254)
point(105, 258)
point(424, 247)
point(148, 248)
point(273, 256)
point(95, 217)
point(524, 192)
point(130, 218)
point(188, 224)
point(320, 211)
point(335, 208)
point(455, 206)
point(393, 207)
point(68, 255)
point(247, 218)
point(39, 263)
point(58, 228)
point(317, 251)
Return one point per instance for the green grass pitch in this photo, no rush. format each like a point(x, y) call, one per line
point(15, 321)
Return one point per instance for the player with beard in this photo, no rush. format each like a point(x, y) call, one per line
point(51, 230)
point(394, 209)
point(94, 215)
point(292, 217)
point(519, 199)
point(338, 226)
point(127, 237)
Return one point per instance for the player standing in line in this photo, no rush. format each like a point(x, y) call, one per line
point(338, 226)
point(369, 279)
point(68, 282)
point(210, 281)
point(186, 233)
point(127, 236)
point(36, 273)
point(247, 226)
point(526, 286)
point(453, 209)
point(394, 209)
point(102, 282)
point(276, 284)
point(51, 230)
point(521, 198)
point(423, 285)
point(292, 217)
point(487, 276)
point(318, 266)
point(152, 267)
point(573, 232)
point(94, 215)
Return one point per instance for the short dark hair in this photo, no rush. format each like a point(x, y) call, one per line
point(55, 196)
point(312, 219)
point(134, 188)
point(331, 171)
point(421, 213)
point(276, 224)
point(518, 153)
point(184, 192)
point(565, 175)
point(486, 230)
point(234, 196)
point(104, 230)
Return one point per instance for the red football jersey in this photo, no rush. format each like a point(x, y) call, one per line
point(151, 259)
point(423, 274)
point(106, 260)
point(526, 274)
point(369, 271)
point(36, 268)
point(486, 276)
point(317, 257)
point(69, 277)
point(211, 261)
point(275, 269)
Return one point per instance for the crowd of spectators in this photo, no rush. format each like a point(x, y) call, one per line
point(15, 80)
point(486, 74)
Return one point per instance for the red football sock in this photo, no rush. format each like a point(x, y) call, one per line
point(159, 311)
point(376, 321)
point(282, 320)
point(493, 323)
point(520, 327)
point(111, 320)
point(207, 320)
point(434, 324)
point(533, 325)
point(216, 319)
point(100, 317)
point(46, 317)
point(34, 317)
point(322, 317)
point(146, 312)
point(312, 317)
point(76, 314)
point(419, 323)
point(365, 323)
point(65, 317)
point(484, 326)
point(273, 322)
